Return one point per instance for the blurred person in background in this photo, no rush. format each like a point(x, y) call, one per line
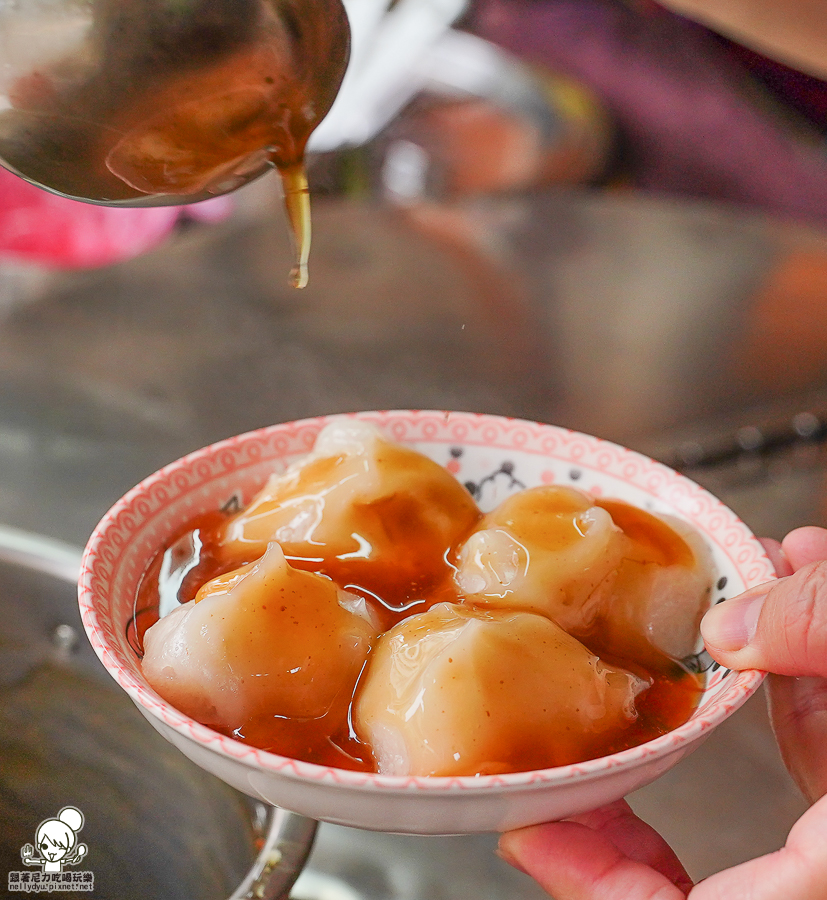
point(699, 113)
point(793, 32)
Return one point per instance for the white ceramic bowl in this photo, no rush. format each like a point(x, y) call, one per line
point(495, 456)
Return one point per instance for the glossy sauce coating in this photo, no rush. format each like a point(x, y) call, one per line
point(202, 553)
point(661, 589)
point(263, 646)
point(650, 539)
point(180, 102)
point(383, 524)
point(460, 690)
point(547, 550)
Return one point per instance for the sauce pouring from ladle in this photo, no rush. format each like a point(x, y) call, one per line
point(166, 102)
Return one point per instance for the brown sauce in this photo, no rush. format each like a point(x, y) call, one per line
point(194, 556)
point(668, 703)
point(182, 102)
point(652, 538)
point(364, 555)
point(297, 205)
point(549, 518)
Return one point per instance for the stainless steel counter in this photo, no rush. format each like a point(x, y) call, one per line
point(665, 326)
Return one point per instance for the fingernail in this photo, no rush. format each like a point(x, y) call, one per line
point(505, 856)
point(731, 625)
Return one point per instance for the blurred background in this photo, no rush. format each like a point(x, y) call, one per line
point(592, 213)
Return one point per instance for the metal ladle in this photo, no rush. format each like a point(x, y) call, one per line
point(159, 102)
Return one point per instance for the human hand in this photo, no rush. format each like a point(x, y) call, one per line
point(793, 32)
point(781, 627)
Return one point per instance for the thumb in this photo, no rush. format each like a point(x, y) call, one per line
point(779, 627)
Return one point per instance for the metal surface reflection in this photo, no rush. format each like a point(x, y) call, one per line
point(151, 103)
point(640, 320)
point(155, 825)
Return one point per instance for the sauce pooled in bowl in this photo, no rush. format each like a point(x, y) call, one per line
point(362, 612)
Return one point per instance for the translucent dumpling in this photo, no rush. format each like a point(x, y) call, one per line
point(363, 510)
point(261, 642)
point(550, 550)
point(460, 691)
point(662, 588)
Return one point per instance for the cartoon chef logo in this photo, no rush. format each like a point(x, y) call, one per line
point(56, 842)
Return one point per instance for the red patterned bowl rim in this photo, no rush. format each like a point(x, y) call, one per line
point(695, 503)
